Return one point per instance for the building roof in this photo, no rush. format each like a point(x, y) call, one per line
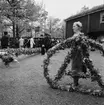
point(89, 11)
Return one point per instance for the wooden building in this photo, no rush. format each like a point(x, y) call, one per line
point(92, 20)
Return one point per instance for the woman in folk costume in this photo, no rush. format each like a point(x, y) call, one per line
point(81, 65)
point(21, 42)
point(32, 43)
point(81, 62)
point(80, 56)
point(77, 62)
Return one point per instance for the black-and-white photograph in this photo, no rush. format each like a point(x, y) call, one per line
point(51, 52)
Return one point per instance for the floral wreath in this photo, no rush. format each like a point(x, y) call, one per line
point(62, 70)
point(9, 54)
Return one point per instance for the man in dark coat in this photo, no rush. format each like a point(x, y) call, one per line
point(5, 40)
point(47, 42)
point(42, 45)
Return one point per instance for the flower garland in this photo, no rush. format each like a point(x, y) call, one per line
point(69, 43)
point(7, 55)
point(19, 51)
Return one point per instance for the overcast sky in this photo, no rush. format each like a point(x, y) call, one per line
point(64, 8)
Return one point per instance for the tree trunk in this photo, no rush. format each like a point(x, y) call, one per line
point(14, 30)
point(17, 31)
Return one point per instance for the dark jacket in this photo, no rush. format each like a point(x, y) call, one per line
point(4, 41)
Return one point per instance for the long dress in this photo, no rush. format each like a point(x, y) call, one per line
point(77, 58)
point(31, 43)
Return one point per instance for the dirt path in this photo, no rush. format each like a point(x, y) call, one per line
point(25, 84)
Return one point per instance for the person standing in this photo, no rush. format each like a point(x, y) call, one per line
point(32, 43)
point(77, 63)
point(42, 45)
point(16, 43)
point(21, 42)
point(47, 42)
point(4, 40)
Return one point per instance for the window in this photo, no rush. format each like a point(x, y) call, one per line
point(102, 17)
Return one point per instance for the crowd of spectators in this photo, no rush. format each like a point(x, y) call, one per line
point(45, 42)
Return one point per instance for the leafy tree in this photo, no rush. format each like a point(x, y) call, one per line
point(52, 24)
point(21, 13)
point(84, 8)
point(56, 27)
point(62, 29)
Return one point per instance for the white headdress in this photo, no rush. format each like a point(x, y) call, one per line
point(78, 23)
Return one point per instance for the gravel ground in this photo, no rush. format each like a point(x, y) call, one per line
point(24, 83)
